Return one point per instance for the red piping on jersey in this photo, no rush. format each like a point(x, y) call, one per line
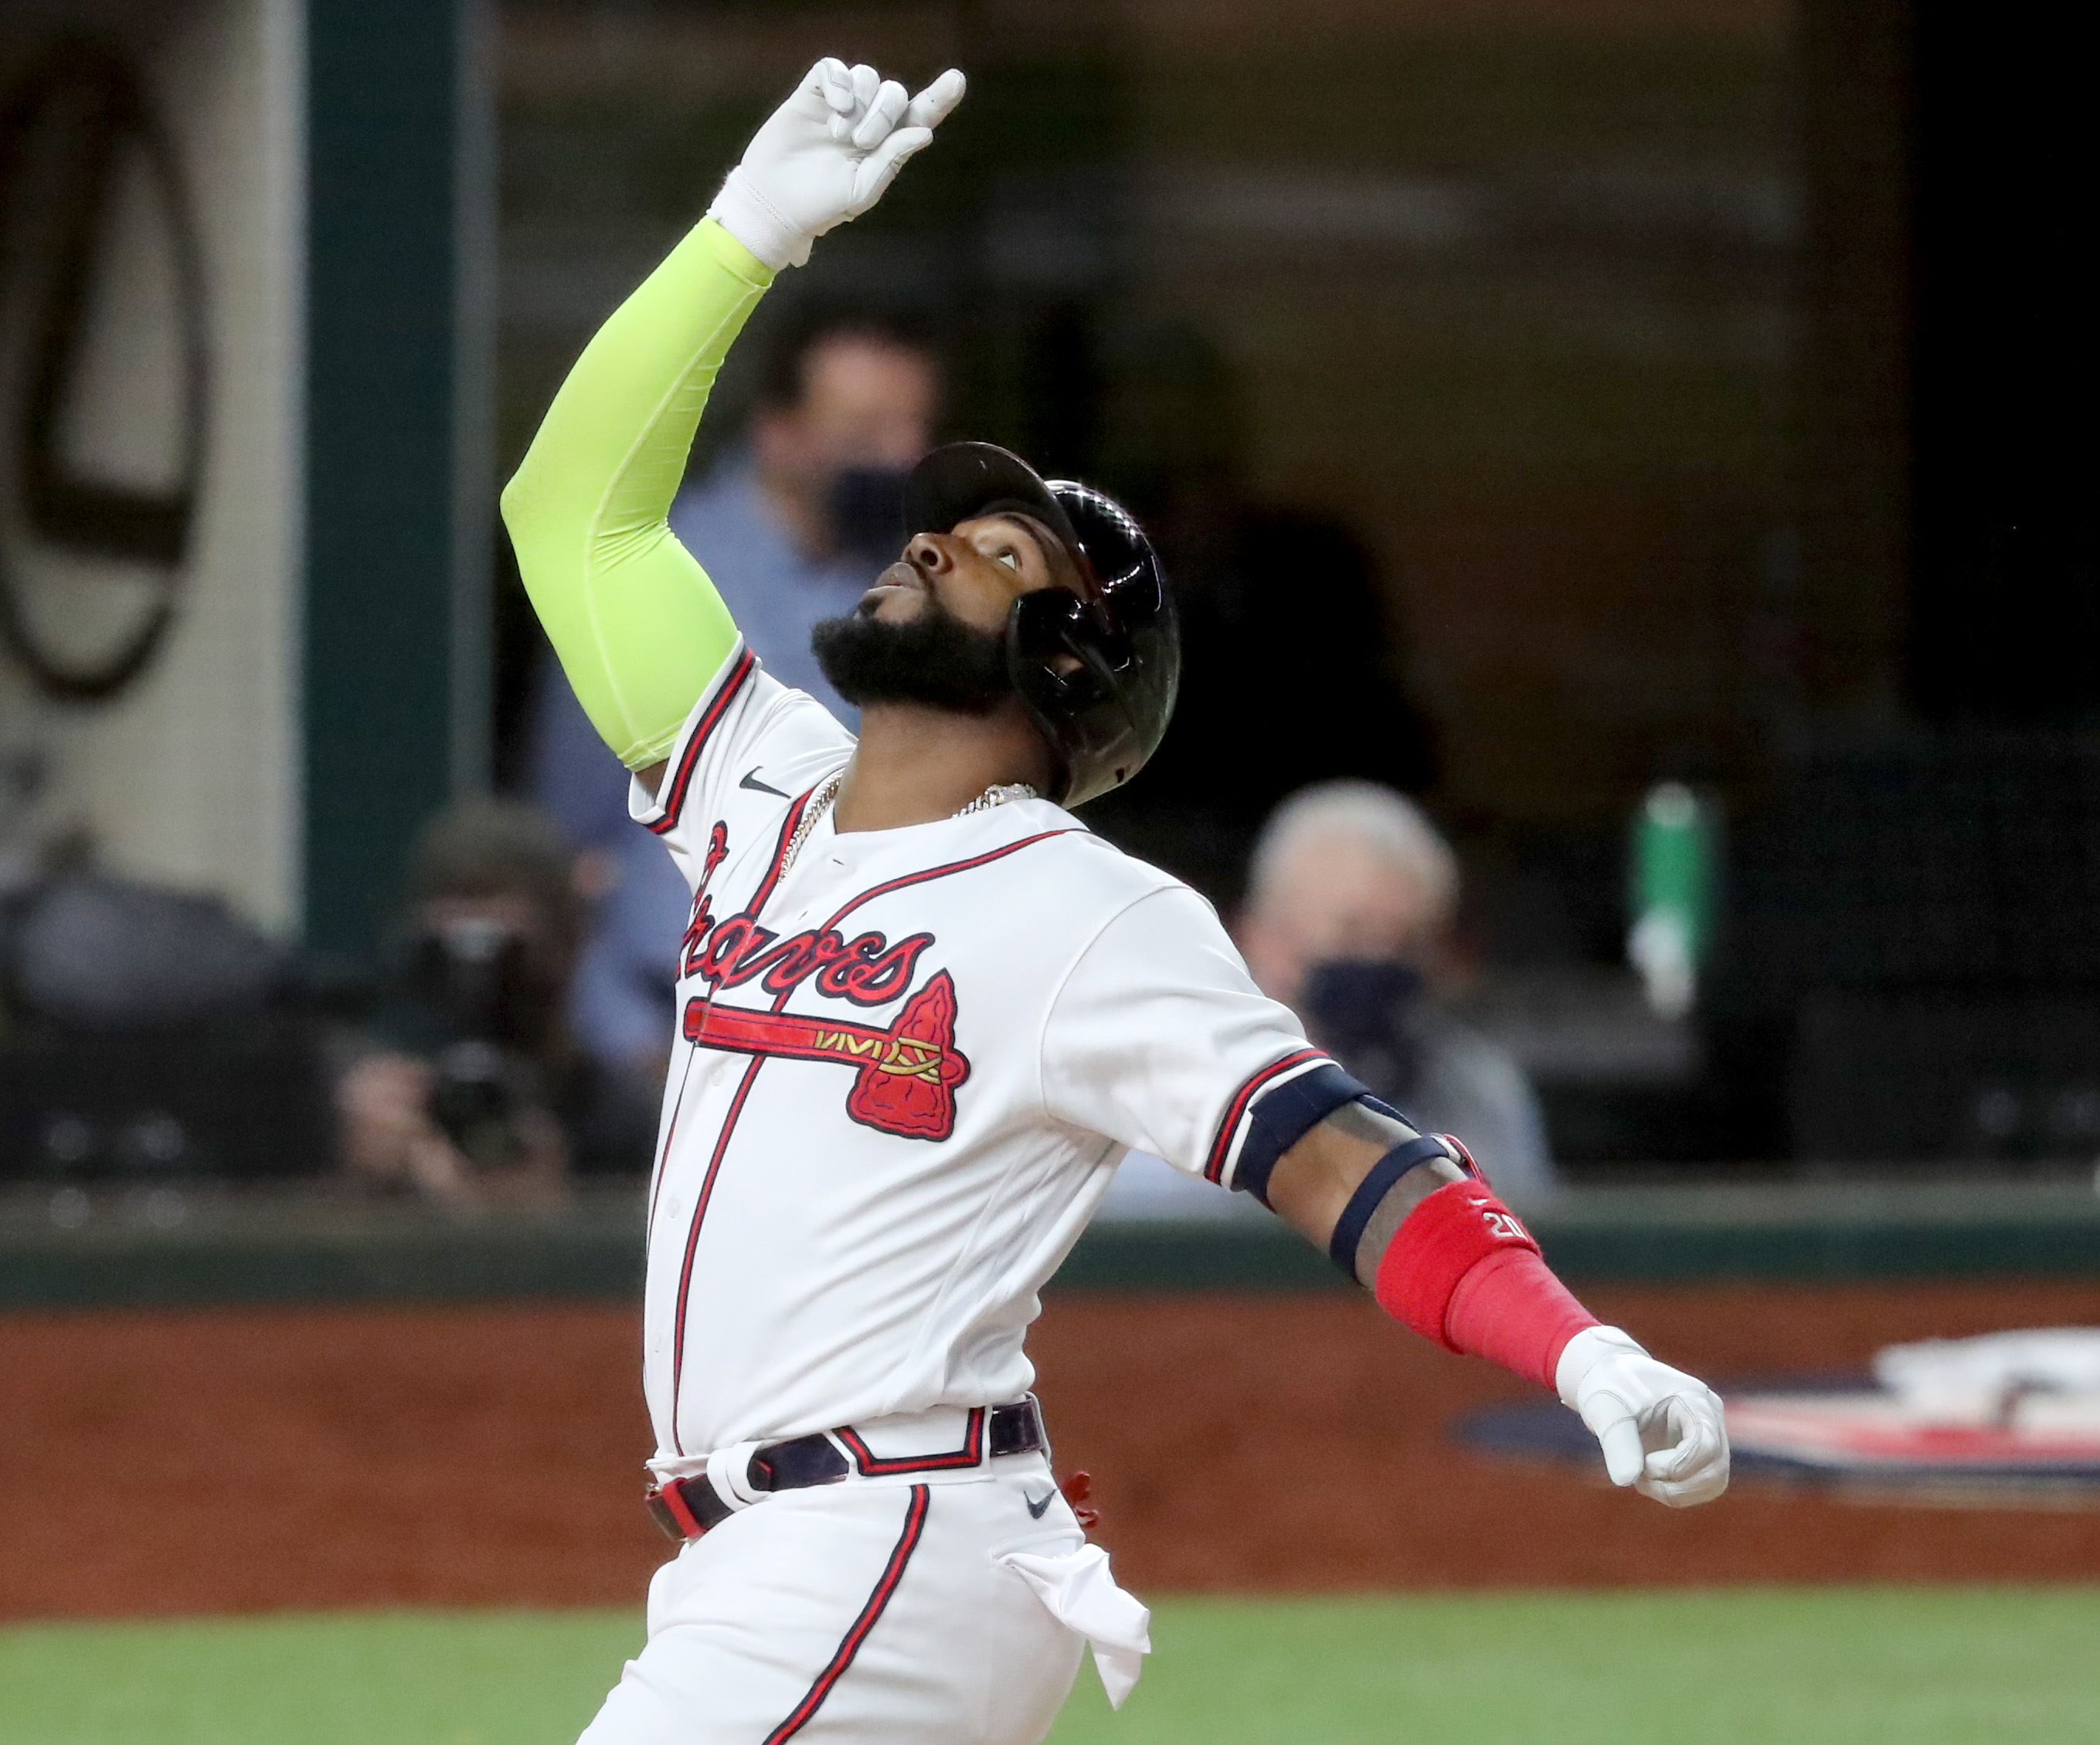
point(664, 1158)
point(721, 1139)
point(689, 760)
point(736, 1107)
point(693, 1241)
point(765, 890)
point(1214, 1168)
point(772, 878)
point(873, 1465)
point(942, 872)
point(885, 1589)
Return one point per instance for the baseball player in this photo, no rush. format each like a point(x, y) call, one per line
point(924, 1014)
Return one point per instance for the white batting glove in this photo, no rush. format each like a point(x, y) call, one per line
point(1662, 1430)
point(825, 155)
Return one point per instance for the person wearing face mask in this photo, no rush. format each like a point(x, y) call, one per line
point(1351, 896)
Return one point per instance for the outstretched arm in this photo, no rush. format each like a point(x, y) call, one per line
point(1160, 1040)
point(639, 628)
point(1406, 1216)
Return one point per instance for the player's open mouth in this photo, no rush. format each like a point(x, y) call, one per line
point(901, 577)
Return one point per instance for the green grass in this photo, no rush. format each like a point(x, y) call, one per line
point(349, 1678)
point(1973, 1666)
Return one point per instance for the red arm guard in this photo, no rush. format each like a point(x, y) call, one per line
point(1462, 1271)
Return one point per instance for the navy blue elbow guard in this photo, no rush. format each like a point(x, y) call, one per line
point(1284, 1115)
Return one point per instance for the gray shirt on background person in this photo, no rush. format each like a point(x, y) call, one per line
point(1466, 1085)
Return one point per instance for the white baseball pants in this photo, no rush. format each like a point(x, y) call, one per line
point(875, 1612)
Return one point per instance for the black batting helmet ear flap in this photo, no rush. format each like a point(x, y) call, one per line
point(1099, 675)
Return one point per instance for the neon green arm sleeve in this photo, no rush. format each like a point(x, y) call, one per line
point(639, 627)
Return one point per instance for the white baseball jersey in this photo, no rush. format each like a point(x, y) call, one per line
point(910, 1061)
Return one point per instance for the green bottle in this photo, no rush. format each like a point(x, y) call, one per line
point(1670, 895)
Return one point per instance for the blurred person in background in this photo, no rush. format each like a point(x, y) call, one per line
point(792, 518)
point(1351, 897)
point(466, 1085)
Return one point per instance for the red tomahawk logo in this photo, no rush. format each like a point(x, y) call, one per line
point(906, 1075)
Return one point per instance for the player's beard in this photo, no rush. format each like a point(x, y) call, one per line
point(934, 659)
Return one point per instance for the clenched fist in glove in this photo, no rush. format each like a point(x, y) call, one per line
point(1661, 1430)
point(825, 156)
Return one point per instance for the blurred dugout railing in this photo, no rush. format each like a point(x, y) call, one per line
point(205, 1249)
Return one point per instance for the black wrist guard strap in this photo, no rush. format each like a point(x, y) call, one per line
point(1372, 1190)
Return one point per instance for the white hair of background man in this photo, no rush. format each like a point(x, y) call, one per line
point(1386, 822)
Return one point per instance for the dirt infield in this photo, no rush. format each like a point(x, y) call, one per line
point(228, 1461)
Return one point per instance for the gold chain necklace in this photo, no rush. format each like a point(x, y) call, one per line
point(999, 794)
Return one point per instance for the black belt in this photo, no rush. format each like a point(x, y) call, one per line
point(687, 1508)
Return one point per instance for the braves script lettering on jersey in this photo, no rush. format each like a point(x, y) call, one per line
point(913, 1059)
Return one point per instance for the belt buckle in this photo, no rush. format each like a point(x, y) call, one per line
point(1017, 1427)
point(660, 1511)
point(667, 1507)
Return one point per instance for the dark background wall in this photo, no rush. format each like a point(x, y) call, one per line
point(2005, 624)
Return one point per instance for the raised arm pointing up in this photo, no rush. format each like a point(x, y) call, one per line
point(639, 627)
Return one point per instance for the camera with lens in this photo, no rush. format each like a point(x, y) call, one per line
point(473, 973)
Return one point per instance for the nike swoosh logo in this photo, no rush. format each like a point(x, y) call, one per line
point(1035, 1509)
point(752, 782)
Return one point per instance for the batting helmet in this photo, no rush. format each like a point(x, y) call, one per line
point(1097, 671)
